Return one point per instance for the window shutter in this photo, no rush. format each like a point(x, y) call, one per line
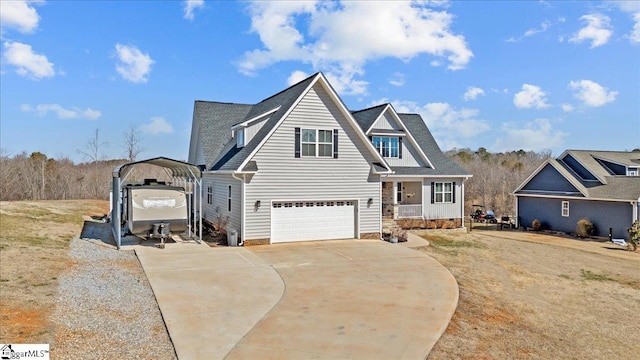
point(399, 148)
point(335, 143)
point(297, 142)
point(453, 192)
point(433, 192)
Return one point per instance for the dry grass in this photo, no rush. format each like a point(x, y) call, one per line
point(33, 253)
point(537, 300)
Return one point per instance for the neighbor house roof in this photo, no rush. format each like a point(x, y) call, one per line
point(605, 186)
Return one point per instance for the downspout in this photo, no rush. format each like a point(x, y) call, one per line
point(462, 202)
point(380, 200)
point(242, 205)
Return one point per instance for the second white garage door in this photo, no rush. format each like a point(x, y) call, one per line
point(312, 220)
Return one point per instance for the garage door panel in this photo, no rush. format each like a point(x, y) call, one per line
point(312, 220)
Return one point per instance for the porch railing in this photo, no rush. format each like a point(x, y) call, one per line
point(409, 211)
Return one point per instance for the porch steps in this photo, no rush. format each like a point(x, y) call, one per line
point(388, 225)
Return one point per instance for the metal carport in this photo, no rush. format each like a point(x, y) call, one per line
point(182, 174)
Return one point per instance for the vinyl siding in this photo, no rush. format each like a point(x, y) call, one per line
point(220, 205)
point(250, 131)
point(410, 156)
point(550, 180)
point(387, 122)
point(603, 214)
point(442, 210)
point(283, 177)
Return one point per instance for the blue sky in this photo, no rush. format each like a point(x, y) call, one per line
point(530, 75)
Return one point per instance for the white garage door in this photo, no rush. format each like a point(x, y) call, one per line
point(312, 220)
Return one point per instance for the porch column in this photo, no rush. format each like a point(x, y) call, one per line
point(395, 199)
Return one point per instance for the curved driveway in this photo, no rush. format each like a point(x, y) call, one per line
point(348, 299)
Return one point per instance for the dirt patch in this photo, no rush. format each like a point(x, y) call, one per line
point(536, 296)
point(33, 253)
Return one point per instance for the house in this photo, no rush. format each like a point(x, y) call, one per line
point(300, 166)
point(602, 186)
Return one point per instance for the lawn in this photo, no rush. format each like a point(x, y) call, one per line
point(525, 296)
point(34, 240)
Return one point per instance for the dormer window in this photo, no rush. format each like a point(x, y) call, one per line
point(387, 146)
point(240, 138)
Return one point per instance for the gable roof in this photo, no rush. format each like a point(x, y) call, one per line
point(212, 123)
point(420, 134)
point(225, 156)
point(606, 187)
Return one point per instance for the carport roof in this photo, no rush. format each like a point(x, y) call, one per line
point(176, 167)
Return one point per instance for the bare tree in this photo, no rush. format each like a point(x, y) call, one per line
point(92, 146)
point(132, 144)
point(92, 154)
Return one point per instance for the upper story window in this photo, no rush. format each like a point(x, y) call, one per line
point(314, 142)
point(386, 146)
point(240, 138)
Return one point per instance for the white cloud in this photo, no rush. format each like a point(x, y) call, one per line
point(543, 27)
point(397, 79)
point(28, 63)
point(598, 30)
point(472, 93)
point(535, 135)
point(632, 8)
point(158, 125)
point(591, 93)
point(530, 96)
point(133, 64)
point(190, 6)
point(567, 107)
point(61, 112)
point(19, 15)
point(296, 77)
point(343, 36)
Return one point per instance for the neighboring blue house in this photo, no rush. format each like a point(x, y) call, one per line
point(602, 186)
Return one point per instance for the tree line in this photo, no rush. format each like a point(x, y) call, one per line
point(35, 176)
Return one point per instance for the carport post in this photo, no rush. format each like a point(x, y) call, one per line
point(115, 211)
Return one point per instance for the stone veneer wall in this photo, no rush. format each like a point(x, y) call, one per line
point(373, 235)
point(255, 242)
point(429, 224)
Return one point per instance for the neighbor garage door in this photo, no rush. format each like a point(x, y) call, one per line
point(312, 220)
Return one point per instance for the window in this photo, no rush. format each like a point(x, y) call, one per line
point(399, 192)
point(633, 171)
point(443, 192)
point(308, 142)
point(229, 199)
point(240, 138)
point(565, 208)
point(386, 146)
point(316, 142)
point(325, 143)
point(210, 194)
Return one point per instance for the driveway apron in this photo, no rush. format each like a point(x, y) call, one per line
point(352, 300)
point(209, 297)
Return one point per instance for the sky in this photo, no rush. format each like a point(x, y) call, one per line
point(531, 75)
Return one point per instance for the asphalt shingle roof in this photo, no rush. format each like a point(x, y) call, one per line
point(215, 120)
point(608, 187)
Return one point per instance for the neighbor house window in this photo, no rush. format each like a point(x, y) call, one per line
point(316, 142)
point(443, 192)
point(229, 198)
point(210, 194)
point(386, 146)
point(565, 208)
point(633, 172)
point(399, 192)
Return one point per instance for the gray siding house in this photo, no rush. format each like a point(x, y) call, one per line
point(300, 166)
point(602, 186)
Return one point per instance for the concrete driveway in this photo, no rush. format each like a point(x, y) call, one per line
point(349, 299)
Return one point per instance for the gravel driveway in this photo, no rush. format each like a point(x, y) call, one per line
point(105, 306)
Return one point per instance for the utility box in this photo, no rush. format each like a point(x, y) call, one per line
point(232, 237)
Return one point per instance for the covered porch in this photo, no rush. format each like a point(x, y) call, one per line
point(402, 199)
